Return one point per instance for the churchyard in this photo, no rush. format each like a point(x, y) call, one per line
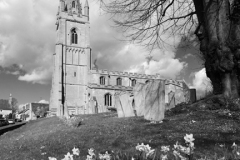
point(214, 126)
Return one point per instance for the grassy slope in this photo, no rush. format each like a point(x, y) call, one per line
point(107, 132)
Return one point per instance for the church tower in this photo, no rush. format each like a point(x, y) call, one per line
point(72, 57)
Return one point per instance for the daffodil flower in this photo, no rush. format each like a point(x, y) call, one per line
point(164, 157)
point(150, 152)
point(189, 138)
point(52, 158)
point(68, 156)
point(234, 144)
point(91, 152)
point(145, 148)
point(165, 148)
point(76, 151)
point(89, 157)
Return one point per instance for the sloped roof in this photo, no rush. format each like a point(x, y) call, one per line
point(23, 111)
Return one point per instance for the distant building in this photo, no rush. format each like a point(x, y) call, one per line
point(32, 111)
point(5, 112)
point(5, 109)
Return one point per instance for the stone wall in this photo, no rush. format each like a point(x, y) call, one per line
point(73, 59)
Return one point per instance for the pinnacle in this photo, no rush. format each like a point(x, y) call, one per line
point(86, 4)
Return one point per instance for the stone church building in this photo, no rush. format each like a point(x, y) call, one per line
point(76, 82)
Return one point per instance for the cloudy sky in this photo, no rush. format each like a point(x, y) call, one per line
point(27, 41)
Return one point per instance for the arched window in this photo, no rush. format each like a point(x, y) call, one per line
point(73, 4)
point(102, 80)
point(108, 99)
point(133, 82)
point(119, 81)
point(74, 36)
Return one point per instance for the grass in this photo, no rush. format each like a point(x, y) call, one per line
point(50, 137)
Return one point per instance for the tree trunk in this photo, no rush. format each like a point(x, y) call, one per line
point(219, 36)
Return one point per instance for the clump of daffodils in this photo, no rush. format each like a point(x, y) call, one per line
point(187, 150)
point(68, 156)
point(165, 150)
point(178, 151)
point(91, 155)
point(105, 156)
point(236, 151)
point(145, 149)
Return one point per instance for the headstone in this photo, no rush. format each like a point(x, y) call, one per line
point(123, 104)
point(155, 100)
point(171, 100)
point(119, 106)
point(139, 98)
point(193, 96)
point(126, 102)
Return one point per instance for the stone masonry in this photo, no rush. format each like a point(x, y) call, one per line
point(74, 81)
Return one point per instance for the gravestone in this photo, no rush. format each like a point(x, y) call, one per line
point(139, 98)
point(171, 100)
point(124, 106)
point(154, 100)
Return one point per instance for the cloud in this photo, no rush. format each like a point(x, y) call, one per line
point(37, 76)
point(23, 37)
point(14, 69)
point(114, 53)
point(27, 38)
point(165, 65)
point(201, 83)
point(43, 101)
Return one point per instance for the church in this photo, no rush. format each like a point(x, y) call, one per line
point(76, 82)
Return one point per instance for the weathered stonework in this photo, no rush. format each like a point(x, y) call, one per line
point(74, 82)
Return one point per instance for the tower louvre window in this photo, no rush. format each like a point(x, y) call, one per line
point(73, 4)
point(102, 80)
point(119, 81)
point(75, 74)
point(74, 36)
point(133, 82)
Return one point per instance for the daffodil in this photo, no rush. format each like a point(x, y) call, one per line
point(105, 156)
point(150, 152)
point(145, 148)
point(89, 157)
point(165, 148)
point(221, 145)
point(176, 145)
point(164, 157)
point(76, 151)
point(52, 158)
point(189, 138)
point(234, 144)
point(68, 156)
point(178, 155)
point(91, 152)
point(191, 144)
point(140, 147)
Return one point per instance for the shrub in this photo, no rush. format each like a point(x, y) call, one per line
point(72, 121)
